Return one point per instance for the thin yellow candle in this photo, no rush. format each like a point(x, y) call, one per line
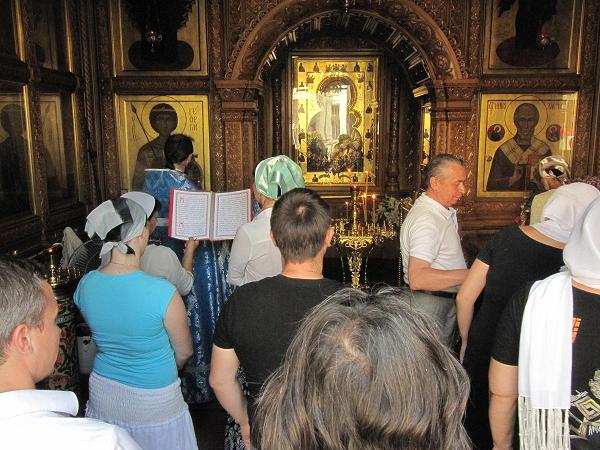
point(365, 209)
point(374, 212)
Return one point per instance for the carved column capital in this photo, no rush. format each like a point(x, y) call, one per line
point(239, 95)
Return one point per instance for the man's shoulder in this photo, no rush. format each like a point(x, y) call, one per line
point(422, 213)
point(281, 287)
point(50, 414)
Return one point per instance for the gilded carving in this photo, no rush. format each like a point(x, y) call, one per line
point(441, 55)
point(133, 85)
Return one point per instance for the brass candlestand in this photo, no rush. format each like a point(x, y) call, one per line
point(354, 240)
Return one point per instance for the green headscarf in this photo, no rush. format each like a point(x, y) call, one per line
point(277, 175)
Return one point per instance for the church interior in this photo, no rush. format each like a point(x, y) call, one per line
point(361, 94)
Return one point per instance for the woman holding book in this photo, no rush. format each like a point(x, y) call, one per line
point(210, 288)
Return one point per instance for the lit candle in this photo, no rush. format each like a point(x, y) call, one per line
point(365, 208)
point(374, 210)
point(347, 210)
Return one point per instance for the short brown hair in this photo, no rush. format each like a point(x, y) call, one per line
point(299, 223)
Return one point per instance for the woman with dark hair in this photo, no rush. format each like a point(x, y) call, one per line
point(160, 260)
point(139, 324)
point(364, 371)
point(210, 289)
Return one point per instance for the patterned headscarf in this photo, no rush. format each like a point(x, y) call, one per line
point(105, 217)
point(554, 166)
point(277, 175)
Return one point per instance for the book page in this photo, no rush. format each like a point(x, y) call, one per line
point(190, 214)
point(232, 210)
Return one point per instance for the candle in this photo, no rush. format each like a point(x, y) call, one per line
point(366, 183)
point(347, 210)
point(374, 210)
point(365, 208)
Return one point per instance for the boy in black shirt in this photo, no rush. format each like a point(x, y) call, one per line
point(259, 320)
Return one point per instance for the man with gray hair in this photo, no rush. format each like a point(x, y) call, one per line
point(29, 337)
point(432, 257)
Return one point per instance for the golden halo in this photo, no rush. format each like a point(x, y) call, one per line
point(178, 107)
point(509, 115)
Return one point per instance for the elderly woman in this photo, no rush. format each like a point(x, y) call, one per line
point(364, 371)
point(139, 324)
point(254, 256)
point(553, 172)
point(210, 289)
point(547, 353)
point(514, 256)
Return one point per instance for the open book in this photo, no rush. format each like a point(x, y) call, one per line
point(202, 215)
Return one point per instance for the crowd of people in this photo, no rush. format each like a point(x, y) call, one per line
point(459, 358)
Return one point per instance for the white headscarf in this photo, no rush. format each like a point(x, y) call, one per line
point(564, 210)
point(146, 201)
point(582, 252)
point(105, 217)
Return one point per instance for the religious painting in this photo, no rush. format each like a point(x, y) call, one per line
point(49, 34)
point(530, 36)
point(146, 121)
point(15, 185)
point(58, 148)
point(164, 37)
point(515, 132)
point(8, 32)
point(334, 112)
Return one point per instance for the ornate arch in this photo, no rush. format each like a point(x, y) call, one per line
point(276, 19)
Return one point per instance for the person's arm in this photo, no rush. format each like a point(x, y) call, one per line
point(465, 300)
point(188, 254)
point(176, 324)
point(241, 250)
point(422, 277)
point(223, 370)
point(503, 403)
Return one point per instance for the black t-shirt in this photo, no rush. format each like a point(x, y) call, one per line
point(261, 318)
point(585, 374)
point(514, 259)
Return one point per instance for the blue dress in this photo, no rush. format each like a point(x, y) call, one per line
point(210, 290)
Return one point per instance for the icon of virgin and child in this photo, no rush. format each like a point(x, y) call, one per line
point(333, 145)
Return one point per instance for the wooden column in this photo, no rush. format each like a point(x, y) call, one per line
point(239, 114)
point(391, 184)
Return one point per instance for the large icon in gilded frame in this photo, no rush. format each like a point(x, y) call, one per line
point(515, 132)
point(159, 38)
point(524, 36)
point(334, 115)
point(145, 123)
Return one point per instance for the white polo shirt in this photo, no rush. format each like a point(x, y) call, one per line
point(430, 233)
point(32, 419)
point(253, 254)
